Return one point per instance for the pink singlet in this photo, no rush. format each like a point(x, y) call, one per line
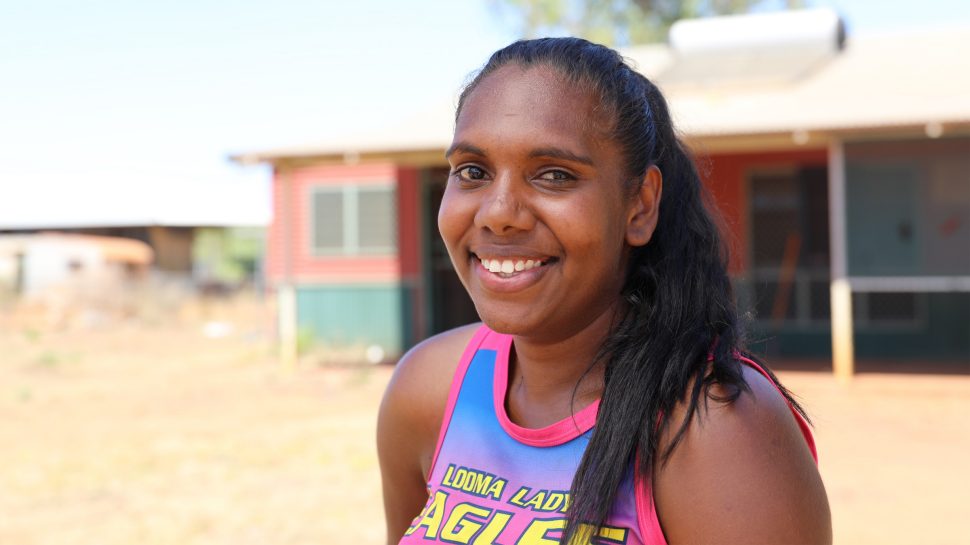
point(493, 482)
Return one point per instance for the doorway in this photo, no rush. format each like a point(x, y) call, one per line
point(448, 301)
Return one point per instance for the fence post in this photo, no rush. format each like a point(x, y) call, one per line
point(840, 291)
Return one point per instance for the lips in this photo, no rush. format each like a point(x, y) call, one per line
point(506, 269)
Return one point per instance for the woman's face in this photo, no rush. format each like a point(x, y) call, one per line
point(535, 217)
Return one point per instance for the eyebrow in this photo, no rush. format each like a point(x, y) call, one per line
point(554, 153)
point(559, 153)
point(465, 148)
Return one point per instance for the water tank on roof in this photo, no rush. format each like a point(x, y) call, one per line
point(754, 48)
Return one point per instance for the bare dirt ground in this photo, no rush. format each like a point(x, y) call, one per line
point(155, 434)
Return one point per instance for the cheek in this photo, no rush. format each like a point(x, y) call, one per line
point(595, 226)
point(454, 218)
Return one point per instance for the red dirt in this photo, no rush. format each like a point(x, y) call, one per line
point(156, 434)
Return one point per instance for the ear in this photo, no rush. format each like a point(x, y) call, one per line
point(644, 208)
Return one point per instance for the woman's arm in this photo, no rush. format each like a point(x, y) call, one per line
point(742, 474)
point(409, 421)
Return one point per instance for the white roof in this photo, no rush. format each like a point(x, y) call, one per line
point(153, 202)
point(877, 82)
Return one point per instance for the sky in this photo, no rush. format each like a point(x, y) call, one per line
point(128, 109)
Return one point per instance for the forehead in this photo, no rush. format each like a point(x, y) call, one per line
point(536, 100)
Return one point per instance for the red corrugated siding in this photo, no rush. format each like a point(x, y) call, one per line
point(410, 243)
point(290, 229)
point(725, 176)
point(409, 221)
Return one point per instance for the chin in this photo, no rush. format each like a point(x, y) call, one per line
point(501, 326)
point(503, 321)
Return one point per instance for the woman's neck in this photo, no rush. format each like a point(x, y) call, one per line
point(552, 379)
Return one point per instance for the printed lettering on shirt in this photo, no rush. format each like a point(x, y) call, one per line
point(481, 520)
point(430, 517)
point(474, 482)
point(541, 500)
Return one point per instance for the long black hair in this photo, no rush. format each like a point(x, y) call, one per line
point(680, 330)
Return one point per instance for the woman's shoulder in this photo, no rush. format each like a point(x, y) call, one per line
point(409, 419)
point(743, 470)
point(430, 365)
point(417, 394)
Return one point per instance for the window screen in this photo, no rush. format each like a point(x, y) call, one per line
point(376, 220)
point(353, 220)
point(328, 221)
point(789, 245)
point(787, 206)
point(907, 208)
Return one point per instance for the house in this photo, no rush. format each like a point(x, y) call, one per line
point(162, 211)
point(32, 264)
point(72, 277)
point(841, 166)
point(178, 229)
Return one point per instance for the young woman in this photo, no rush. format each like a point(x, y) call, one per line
point(607, 398)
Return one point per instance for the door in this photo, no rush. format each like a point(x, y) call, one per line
point(449, 302)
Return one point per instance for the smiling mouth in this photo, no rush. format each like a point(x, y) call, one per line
point(510, 267)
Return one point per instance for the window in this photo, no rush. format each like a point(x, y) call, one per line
point(328, 221)
point(908, 208)
point(789, 277)
point(789, 213)
point(353, 220)
point(376, 220)
point(790, 246)
point(889, 309)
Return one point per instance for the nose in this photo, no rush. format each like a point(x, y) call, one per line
point(504, 209)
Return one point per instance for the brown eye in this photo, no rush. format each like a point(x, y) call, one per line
point(471, 173)
point(556, 176)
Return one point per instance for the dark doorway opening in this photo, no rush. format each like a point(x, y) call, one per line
point(450, 305)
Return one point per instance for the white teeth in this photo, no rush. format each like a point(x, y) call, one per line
point(507, 266)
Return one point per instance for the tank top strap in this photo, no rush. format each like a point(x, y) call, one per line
point(802, 423)
point(647, 517)
point(476, 342)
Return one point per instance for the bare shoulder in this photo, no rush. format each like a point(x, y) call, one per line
point(743, 473)
point(435, 354)
point(418, 391)
point(408, 422)
point(423, 376)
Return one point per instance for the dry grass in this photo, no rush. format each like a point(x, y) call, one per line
point(154, 434)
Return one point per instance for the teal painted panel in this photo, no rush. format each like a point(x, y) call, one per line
point(349, 315)
point(882, 220)
point(945, 335)
point(408, 316)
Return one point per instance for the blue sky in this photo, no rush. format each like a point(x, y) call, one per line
point(112, 107)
